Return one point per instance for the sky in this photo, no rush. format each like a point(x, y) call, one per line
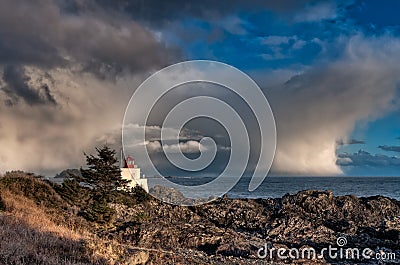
point(330, 71)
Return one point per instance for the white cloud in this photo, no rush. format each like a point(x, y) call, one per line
point(344, 161)
point(318, 12)
point(363, 158)
point(275, 40)
point(184, 147)
point(153, 146)
point(281, 46)
point(233, 24)
point(322, 105)
point(133, 134)
point(45, 139)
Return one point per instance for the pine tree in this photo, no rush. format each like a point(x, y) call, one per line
point(72, 192)
point(103, 174)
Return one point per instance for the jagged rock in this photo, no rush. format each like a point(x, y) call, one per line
point(230, 229)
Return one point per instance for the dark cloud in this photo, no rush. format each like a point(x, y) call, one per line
point(363, 158)
point(17, 87)
point(47, 34)
point(71, 40)
point(78, 55)
point(159, 11)
point(351, 141)
point(43, 34)
point(390, 148)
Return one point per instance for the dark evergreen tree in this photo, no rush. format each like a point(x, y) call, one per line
point(72, 192)
point(99, 212)
point(103, 174)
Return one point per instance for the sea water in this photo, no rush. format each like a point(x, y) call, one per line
point(274, 186)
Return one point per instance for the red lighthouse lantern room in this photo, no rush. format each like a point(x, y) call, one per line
point(129, 162)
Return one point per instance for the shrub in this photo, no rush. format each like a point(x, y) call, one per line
point(98, 211)
point(31, 187)
point(140, 195)
point(72, 192)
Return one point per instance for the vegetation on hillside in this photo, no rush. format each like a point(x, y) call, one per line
point(45, 223)
point(70, 224)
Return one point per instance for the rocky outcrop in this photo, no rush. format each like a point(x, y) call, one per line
point(68, 173)
point(173, 196)
point(233, 230)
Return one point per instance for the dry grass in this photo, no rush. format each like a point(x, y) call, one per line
point(30, 234)
point(22, 208)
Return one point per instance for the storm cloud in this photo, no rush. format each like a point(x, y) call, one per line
point(159, 11)
point(43, 33)
point(17, 86)
point(68, 69)
point(66, 78)
point(321, 106)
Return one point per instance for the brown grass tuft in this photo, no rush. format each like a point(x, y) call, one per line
point(29, 236)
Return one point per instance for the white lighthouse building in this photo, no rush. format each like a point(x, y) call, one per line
point(130, 171)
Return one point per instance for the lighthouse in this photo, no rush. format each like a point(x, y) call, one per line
point(131, 172)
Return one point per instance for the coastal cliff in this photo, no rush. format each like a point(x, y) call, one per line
point(225, 231)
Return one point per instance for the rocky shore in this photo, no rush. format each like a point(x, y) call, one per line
point(40, 224)
point(231, 231)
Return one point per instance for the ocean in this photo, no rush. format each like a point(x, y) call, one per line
point(274, 187)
